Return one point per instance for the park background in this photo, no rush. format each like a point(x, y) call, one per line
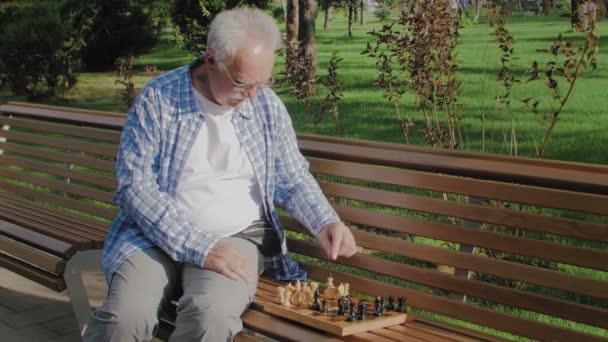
point(96, 55)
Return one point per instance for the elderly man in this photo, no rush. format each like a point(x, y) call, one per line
point(206, 151)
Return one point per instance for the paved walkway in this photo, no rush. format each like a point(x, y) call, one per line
point(31, 312)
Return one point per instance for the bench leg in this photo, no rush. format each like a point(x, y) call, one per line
point(81, 261)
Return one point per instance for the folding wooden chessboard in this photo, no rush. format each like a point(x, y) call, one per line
point(331, 322)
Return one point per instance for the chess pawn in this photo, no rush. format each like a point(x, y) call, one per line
point(391, 304)
point(377, 311)
point(351, 313)
point(324, 307)
point(296, 297)
point(401, 305)
point(341, 290)
point(361, 311)
point(287, 302)
point(315, 305)
point(382, 306)
point(341, 305)
point(280, 295)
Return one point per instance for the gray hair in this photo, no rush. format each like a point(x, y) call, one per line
point(230, 28)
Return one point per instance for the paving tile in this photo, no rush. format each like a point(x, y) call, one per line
point(5, 329)
point(63, 326)
point(73, 337)
point(35, 316)
point(20, 302)
point(30, 334)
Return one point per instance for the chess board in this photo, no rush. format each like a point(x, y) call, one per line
point(331, 322)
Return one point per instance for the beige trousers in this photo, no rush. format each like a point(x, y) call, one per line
point(208, 310)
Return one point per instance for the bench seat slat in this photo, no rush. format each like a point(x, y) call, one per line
point(47, 279)
point(104, 181)
point(543, 304)
point(70, 158)
point(451, 308)
point(71, 130)
point(73, 145)
point(41, 241)
point(510, 218)
point(502, 242)
point(31, 255)
point(560, 199)
point(504, 269)
point(105, 213)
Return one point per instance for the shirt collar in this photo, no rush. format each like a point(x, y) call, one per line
point(187, 106)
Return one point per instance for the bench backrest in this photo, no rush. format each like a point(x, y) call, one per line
point(507, 244)
point(507, 235)
point(61, 157)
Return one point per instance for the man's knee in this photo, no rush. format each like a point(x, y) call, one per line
point(122, 324)
point(211, 311)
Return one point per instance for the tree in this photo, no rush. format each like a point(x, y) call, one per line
point(306, 36)
point(192, 19)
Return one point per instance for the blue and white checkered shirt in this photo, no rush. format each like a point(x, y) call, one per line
point(159, 132)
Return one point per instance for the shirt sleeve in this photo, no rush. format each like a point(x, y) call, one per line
point(155, 212)
point(297, 191)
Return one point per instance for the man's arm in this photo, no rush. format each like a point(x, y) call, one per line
point(138, 194)
point(298, 192)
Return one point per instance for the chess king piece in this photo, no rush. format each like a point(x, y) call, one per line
point(351, 313)
point(391, 304)
point(401, 305)
point(346, 289)
point(280, 298)
point(361, 311)
point(330, 290)
point(324, 307)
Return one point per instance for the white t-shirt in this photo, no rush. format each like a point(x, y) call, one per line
point(218, 189)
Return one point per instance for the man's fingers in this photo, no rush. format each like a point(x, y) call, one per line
point(228, 273)
point(336, 242)
point(324, 240)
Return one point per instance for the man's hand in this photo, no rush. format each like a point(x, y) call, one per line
point(337, 240)
point(227, 260)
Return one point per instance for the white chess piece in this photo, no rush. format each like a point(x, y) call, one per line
point(280, 299)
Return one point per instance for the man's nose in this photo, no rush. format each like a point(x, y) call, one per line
point(251, 92)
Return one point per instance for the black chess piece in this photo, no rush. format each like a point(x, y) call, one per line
point(401, 305)
point(341, 306)
point(351, 313)
point(324, 308)
point(316, 306)
point(391, 304)
point(361, 311)
point(377, 310)
point(382, 306)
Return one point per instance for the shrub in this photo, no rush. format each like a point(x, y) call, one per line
point(37, 54)
point(382, 12)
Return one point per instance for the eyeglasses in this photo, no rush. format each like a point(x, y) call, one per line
point(242, 87)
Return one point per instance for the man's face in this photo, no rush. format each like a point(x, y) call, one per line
point(251, 70)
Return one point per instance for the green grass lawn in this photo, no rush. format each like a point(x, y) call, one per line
point(580, 134)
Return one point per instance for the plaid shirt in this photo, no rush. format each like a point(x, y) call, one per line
point(160, 130)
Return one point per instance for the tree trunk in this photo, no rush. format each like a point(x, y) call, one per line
point(574, 18)
point(355, 11)
point(350, 20)
point(362, 12)
point(306, 37)
point(327, 23)
point(292, 26)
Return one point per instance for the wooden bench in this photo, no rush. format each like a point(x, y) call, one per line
point(432, 224)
